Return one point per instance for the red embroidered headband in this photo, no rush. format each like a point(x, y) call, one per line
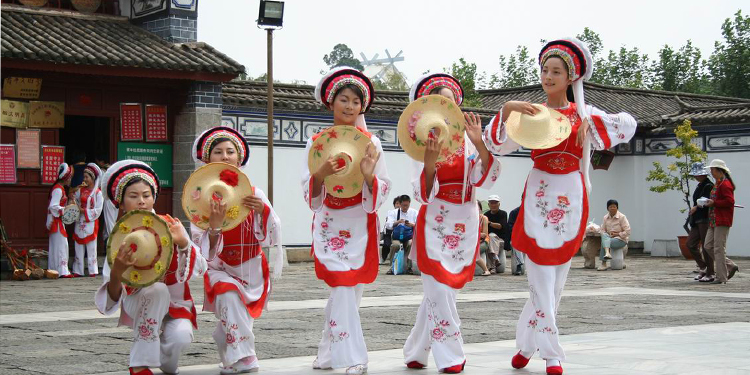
point(204, 142)
point(92, 171)
point(569, 53)
point(64, 171)
point(120, 179)
point(337, 82)
point(432, 82)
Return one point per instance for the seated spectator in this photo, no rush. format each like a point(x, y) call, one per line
point(386, 248)
point(615, 232)
point(498, 230)
point(402, 225)
point(484, 241)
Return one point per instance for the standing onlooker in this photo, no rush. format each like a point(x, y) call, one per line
point(387, 232)
point(484, 241)
point(720, 215)
point(402, 226)
point(498, 228)
point(699, 222)
point(615, 232)
point(516, 257)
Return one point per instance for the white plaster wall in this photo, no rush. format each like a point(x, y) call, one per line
point(652, 215)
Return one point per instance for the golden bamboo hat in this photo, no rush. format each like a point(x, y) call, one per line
point(546, 129)
point(346, 145)
point(216, 182)
point(421, 117)
point(148, 236)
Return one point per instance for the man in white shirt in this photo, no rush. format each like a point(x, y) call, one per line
point(386, 248)
point(404, 217)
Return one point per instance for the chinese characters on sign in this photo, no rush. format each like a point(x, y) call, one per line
point(15, 114)
point(131, 128)
point(28, 142)
point(46, 114)
point(156, 123)
point(7, 164)
point(22, 88)
point(52, 157)
point(157, 155)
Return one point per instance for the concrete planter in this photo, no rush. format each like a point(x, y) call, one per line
point(665, 248)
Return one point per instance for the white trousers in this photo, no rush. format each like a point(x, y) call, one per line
point(234, 332)
point(537, 325)
point(438, 327)
point(89, 250)
point(158, 339)
point(342, 343)
point(57, 258)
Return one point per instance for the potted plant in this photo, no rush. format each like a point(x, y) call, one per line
point(676, 175)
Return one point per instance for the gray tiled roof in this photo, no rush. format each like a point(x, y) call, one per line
point(66, 37)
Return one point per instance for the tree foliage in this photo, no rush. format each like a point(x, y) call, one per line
point(392, 80)
point(729, 65)
point(342, 55)
point(466, 73)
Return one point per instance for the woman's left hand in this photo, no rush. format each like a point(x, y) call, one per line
point(254, 203)
point(178, 232)
point(368, 163)
point(473, 127)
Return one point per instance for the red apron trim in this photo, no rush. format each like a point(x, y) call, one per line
point(363, 275)
point(183, 313)
point(549, 257)
point(601, 129)
point(433, 267)
point(90, 237)
point(254, 308)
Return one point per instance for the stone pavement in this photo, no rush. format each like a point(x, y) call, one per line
point(51, 327)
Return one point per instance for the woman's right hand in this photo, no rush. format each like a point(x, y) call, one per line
point(124, 259)
point(328, 168)
point(218, 211)
point(432, 151)
point(525, 108)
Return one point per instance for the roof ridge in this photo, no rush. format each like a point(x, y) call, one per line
point(61, 13)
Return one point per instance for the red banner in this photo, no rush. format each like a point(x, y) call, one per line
point(7, 164)
point(52, 157)
point(131, 123)
point(156, 123)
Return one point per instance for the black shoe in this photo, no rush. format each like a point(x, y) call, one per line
point(389, 272)
point(732, 272)
point(408, 272)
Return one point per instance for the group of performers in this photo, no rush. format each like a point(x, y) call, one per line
point(345, 238)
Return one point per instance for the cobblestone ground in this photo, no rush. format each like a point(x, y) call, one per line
point(98, 345)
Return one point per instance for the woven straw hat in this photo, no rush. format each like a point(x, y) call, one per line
point(430, 112)
point(347, 145)
point(216, 182)
point(546, 129)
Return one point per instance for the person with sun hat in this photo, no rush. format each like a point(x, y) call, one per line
point(554, 208)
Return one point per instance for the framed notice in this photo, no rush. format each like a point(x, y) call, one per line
point(156, 123)
point(46, 114)
point(131, 123)
point(156, 155)
point(28, 141)
point(15, 114)
point(52, 157)
point(7, 164)
point(22, 88)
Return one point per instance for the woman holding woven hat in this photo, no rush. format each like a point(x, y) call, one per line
point(447, 234)
point(58, 238)
point(720, 216)
point(162, 314)
point(345, 230)
point(90, 200)
point(238, 281)
point(552, 218)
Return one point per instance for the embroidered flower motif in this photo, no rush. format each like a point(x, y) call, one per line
point(413, 124)
point(158, 267)
point(124, 228)
point(439, 218)
point(552, 215)
point(164, 241)
point(196, 195)
point(451, 240)
point(195, 218)
point(338, 189)
point(229, 177)
point(332, 134)
point(563, 200)
point(319, 147)
point(147, 221)
point(230, 339)
point(439, 331)
point(336, 243)
point(345, 234)
point(135, 276)
point(437, 334)
point(555, 215)
point(460, 228)
point(324, 225)
point(532, 323)
point(233, 212)
point(540, 193)
point(540, 314)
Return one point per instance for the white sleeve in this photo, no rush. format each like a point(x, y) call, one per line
point(608, 130)
point(381, 186)
point(496, 138)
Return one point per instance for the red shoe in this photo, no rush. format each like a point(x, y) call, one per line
point(75, 275)
point(68, 276)
point(145, 371)
point(415, 365)
point(519, 361)
point(454, 369)
point(93, 275)
point(554, 370)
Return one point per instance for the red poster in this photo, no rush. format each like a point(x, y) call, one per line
point(52, 157)
point(7, 164)
point(156, 123)
point(131, 123)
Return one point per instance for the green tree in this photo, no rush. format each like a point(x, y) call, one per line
point(466, 73)
point(682, 70)
point(625, 68)
point(676, 175)
point(729, 65)
point(392, 80)
point(519, 69)
point(342, 55)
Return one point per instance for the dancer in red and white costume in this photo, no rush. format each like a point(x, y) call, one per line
point(554, 209)
point(58, 238)
point(446, 237)
point(163, 314)
point(345, 230)
point(238, 282)
point(91, 201)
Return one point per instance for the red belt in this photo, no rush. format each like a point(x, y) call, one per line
point(451, 192)
point(234, 255)
point(557, 163)
point(340, 203)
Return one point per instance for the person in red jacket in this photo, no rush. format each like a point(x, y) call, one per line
point(720, 214)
